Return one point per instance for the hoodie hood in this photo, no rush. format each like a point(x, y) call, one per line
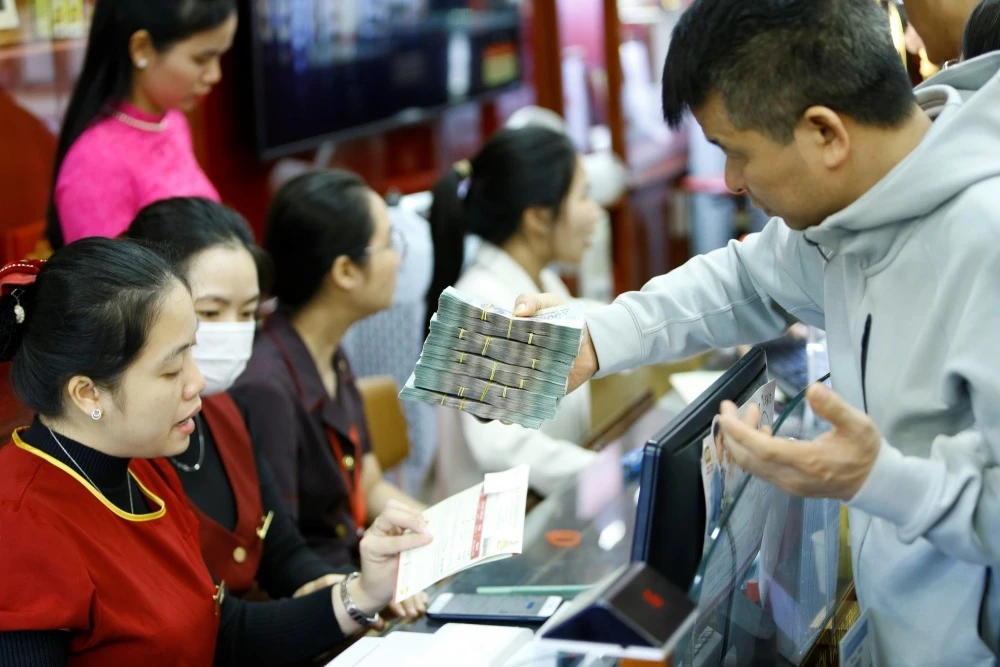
point(961, 149)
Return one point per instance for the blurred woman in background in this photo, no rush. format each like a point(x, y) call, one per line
point(982, 30)
point(525, 194)
point(335, 260)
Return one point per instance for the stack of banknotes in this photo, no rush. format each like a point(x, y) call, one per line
point(481, 359)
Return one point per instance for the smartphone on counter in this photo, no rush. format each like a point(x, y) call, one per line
point(494, 608)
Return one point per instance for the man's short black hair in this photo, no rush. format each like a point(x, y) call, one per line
point(770, 60)
point(982, 30)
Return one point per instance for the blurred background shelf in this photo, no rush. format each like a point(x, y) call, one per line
point(20, 52)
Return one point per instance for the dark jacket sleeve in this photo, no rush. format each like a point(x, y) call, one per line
point(37, 648)
point(282, 632)
point(287, 563)
point(270, 416)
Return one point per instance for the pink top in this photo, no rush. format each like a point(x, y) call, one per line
point(113, 170)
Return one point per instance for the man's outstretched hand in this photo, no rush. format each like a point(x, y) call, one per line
point(586, 361)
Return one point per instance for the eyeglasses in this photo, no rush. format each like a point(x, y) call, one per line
point(397, 242)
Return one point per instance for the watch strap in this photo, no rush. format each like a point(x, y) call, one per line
point(351, 608)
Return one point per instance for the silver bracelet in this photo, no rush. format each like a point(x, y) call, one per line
point(356, 614)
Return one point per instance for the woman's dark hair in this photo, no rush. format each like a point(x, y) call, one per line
point(314, 219)
point(89, 313)
point(982, 30)
point(106, 77)
point(517, 169)
point(181, 227)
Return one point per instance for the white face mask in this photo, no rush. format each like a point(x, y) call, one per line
point(222, 353)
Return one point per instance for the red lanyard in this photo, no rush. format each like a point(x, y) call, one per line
point(350, 466)
point(351, 472)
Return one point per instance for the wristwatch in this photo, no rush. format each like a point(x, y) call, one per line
point(356, 614)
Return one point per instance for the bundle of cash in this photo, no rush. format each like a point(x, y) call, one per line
point(485, 391)
point(411, 392)
point(444, 359)
point(510, 352)
point(552, 331)
point(481, 359)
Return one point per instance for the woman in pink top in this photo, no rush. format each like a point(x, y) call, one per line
point(125, 142)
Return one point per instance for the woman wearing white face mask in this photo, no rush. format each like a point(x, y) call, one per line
point(246, 534)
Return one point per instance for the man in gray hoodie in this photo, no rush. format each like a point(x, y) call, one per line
point(887, 235)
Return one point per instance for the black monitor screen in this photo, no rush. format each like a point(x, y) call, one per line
point(327, 69)
point(670, 518)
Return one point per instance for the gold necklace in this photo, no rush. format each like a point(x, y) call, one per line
point(144, 125)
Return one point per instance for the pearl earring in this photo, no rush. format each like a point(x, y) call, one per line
point(96, 414)
point(18, 308)
point(141, 63)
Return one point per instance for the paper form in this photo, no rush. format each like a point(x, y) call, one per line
point(481, 524)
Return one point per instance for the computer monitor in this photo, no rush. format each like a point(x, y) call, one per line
point(670, 518)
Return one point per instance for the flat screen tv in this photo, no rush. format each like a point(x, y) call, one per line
point(327, 70)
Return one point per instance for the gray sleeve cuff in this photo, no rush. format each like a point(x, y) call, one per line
point(897, 486)
point(617, 338)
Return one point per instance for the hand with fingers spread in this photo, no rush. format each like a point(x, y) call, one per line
point(586, 364)
point(833, 465)
point(399, 528)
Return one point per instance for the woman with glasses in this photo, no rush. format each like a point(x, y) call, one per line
point(335, 260)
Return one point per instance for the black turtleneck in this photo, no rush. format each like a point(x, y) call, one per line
point(208, 487)
point(281, 632)
point(108, 473)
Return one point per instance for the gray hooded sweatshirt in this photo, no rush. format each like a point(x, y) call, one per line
point(906, 283)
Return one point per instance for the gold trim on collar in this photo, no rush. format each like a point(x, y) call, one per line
point(128, 516)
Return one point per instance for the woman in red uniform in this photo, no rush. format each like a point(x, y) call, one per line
point(335, 261)
point(247, 534)
point(99, 551)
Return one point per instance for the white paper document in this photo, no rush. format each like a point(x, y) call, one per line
point(454, 644)
point(481, 524)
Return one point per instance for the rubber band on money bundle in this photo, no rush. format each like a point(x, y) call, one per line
point(462, 406)
point(461, 332)
point(521, 386)
point(485, 391)
point(461, 392)
point(510, 325)
point(487, 346)
point(485, 311)
point(505, 391)
point(461, 359)
point(533, 362)
point(444, 397)
point(531, 337)
point(495, 364)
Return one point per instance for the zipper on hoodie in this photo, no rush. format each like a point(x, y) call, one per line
point(864, 359)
